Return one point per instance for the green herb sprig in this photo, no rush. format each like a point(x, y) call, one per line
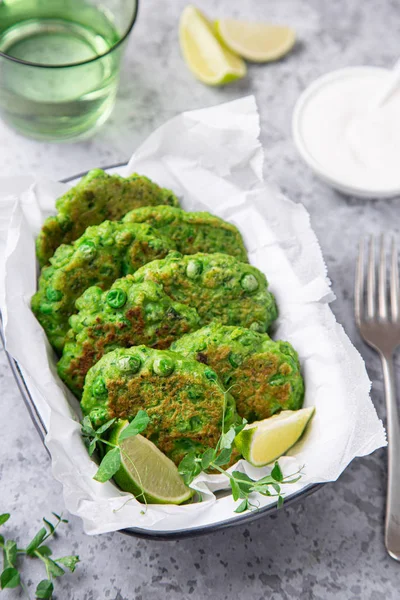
point(241, 484)
point(111, 461)
point(10, 576)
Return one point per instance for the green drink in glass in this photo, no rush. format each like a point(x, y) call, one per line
point(60, 63)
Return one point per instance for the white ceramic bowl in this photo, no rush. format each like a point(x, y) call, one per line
point(306, 98)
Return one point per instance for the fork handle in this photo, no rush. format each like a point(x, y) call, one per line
point(392, 525)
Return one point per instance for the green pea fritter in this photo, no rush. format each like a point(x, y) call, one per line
point(129, 314)
point(96, 198)
point(183, 398)
point(262, 375)
point(218, 286)
point(192, 232)
point(102, 254)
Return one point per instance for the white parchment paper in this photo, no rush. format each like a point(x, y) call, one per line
point(213, 160)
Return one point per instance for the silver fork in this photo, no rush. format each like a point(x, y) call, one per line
point(378, 320)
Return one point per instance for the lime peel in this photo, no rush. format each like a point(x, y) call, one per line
point(207, 57)
point(262, 442)
point(256, 42)
point(146, 472)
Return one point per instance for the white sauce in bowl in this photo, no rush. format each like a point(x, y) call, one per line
point(344, 139)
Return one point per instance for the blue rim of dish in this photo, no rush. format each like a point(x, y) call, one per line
point(84, 62)
point(137, 531)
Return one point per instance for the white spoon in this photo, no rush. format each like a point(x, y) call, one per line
point(367, 133)
point(390, 87)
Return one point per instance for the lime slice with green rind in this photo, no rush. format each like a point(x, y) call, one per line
point(256, 42)
point(146, 472)
point(262, 442)
point(208, 59)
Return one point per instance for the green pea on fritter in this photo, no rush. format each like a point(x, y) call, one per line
point(218, 286)
point(184, 399)
point(192, 232)
point(262, 375)
point(129, 314)
point(96, 198)
point(102, 254)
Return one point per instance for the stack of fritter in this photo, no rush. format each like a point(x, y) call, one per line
point(115, 294)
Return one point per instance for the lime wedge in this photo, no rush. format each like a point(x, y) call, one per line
point(146, 472)
point(208, 59)
point(257, 42)
point(264, 441)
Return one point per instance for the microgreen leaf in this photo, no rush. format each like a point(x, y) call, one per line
point(188, 462)
point(226, 439)
point(109, 465)
point(10, 554)
point(104, 427)
point(136, 426)
point(189, 467)
point(294, 480)
point(276, 473)
point(86, 427)
point(207, 458)
point(1, 540)
point(49, 525)
point(54, 569)
point(244, 482)
point(262, 489)
point(235, 489)
point(44, 551)
point(92, 446)
point(276, 487)
point(87, 433)
point(44, 589)
point(69, 561)
point(238, 428)
point(267, 480)
point(244, 505)
point(280, 501)
point(223, 457)
point(10, 578)
point(4, 518)
point(58, 517)
point(36, 541)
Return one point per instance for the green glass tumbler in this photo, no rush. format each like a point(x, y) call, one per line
point(60, 64)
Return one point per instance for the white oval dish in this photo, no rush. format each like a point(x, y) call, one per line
point(299, 125)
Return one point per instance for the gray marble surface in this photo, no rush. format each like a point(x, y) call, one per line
point(331, 545)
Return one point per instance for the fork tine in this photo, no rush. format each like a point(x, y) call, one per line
point(359, 284)
point(371, 279)
point(382, 281)
point(394, 283)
